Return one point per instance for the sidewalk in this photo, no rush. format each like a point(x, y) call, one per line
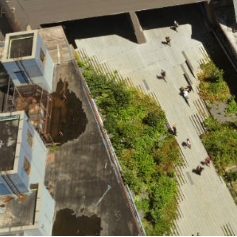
point(205, 205)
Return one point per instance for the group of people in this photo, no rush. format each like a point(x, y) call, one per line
point(168, 42)
point(185, 92)
point(187, 143)
point(199, 168)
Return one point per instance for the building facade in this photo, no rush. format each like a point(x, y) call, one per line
point(25, 203)
point(27, 60)
point(23, 154)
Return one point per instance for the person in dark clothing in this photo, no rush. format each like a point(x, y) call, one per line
point(174, 130)
point(199, 169)
point(168, 40)
point(163, 74)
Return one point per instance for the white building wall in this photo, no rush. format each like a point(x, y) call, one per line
point(47, 67)
point(25, 151)
point(39, 154)
point(22, 186)
point(40, 73)
point(18, 175)
point(45, 214)
point(36, 155)
point(33, 232)
point(4, 187)
point(12, 67)
point(32, 69)
point(48, 71)
point(47, 207)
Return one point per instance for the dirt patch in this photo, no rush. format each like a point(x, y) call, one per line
point(218, 112)
point(68, 119)
point(50, 158)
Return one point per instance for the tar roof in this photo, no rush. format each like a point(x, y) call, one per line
point(36, 13)
point(8, 141)
point(18, 212)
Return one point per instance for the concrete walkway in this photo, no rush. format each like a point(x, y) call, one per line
point(205, 205)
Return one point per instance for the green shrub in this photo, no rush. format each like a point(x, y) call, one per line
point(221, 143)
point(212, 85)
point(231, 176)
point(232, 106)
point(80, 63)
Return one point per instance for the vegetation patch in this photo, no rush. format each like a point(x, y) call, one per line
point(220, 139)
point(147, 152)
point(232, 106)
point(220, 142)
point(212, 85)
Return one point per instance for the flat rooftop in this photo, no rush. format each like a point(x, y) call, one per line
point(20, 45)
point(8, 140)
point(18, 212)
point(82, 177)
point(36, 13)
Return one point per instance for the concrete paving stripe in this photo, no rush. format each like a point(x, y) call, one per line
point(201, 113)
point(201, 108)
point(146, 85)
point(140, 88)
point(227, 230)
point(189, 178)
point(205, 58)
point(199, 123)
point(180, 177)
point(197, 128)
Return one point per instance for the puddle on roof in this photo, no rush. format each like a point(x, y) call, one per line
point(68, 224)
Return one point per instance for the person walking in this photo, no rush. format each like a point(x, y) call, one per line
point(185, 95)
point(168, 40)
point(174, 130)
point(176, 25)
point(208, 161)
point(188, 143)
point(163, 74)
point(188, 88)
point(199, 170)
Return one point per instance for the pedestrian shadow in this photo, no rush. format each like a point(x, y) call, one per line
point(164, 42)
point(186, 100)
point(202, 163)
point(170, 130)
point(198, 172)
point(159, 77)
point(195, 171)
point(184, 145)
point(173, 28)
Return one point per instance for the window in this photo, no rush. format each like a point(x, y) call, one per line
point(27, 166)
point(21, 77)
point(29, 139)
point(42, 56)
